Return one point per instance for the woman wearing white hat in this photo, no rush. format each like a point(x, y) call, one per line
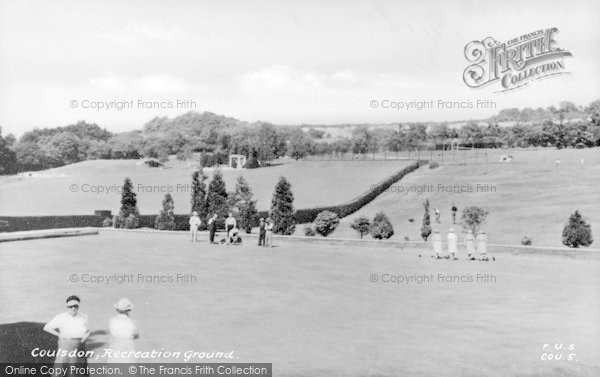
point(470, 244)
point(437, 244)
point(452, 239)
point(123, 330)
point(482, 246)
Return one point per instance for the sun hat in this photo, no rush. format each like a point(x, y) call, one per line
point(195, 213)
point(123, 305)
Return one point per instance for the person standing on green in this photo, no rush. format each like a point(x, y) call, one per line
point(194, 224)
point(454, 210)
point(212, 228)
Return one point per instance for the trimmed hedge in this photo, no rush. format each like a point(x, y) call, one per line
point(308, 215)
point(19, 223)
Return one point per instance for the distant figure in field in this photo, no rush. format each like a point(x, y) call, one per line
point(557, 163)
point(452, 239)
point(71, 328)
point(212, 227)
point(437, 244)
point(194, 224)
point(230, 223)
point(454, 210)
point(482, 246)
point(581, 162)
point(123, 330)
point(470, 244)
point(269, 232)
point(437, 213)
point(261, 232)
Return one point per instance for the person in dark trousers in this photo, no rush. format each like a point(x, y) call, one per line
point(454, 210)
point(212, 227)
point(261, 232)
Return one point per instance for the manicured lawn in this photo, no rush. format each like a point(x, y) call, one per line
point(311, 309)
point(314, 183)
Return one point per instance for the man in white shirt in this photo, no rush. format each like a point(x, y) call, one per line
point(71, 328)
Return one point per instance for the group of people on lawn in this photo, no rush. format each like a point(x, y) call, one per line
point(233, 236)
point(476, 247)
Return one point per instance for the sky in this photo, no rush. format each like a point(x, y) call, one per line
point(285, 62)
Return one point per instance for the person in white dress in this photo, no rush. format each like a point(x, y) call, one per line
point(269, 225)
point(452, 239)
point(482, 245)
point(437, 244)
point(123, 330)
point(470, 244)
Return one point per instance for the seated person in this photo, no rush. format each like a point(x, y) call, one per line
point(234, 236)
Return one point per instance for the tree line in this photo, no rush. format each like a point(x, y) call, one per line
point(214, 137)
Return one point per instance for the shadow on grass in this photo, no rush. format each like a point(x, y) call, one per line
point(17, 340)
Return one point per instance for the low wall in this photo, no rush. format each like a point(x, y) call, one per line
point(47, 233)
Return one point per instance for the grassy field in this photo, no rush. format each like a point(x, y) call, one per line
point(312, 310)
point(49, 192)
point(527, 197)
point(532, 196)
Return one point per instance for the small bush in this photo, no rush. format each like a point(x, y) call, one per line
point(153, 163)
point(426, 227)
point(473, 217)
point(309, 231)
point(526, 241)
point(577, 232)
point(361, 225)
point(166, 219)
point(131, 222)
point(326, 222)
point(579, 146)
point(433, 165)
point(381, 227)
point(107, 222)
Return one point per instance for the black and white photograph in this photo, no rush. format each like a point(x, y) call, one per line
point(317, 188)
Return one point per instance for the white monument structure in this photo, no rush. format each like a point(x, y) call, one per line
point(237, 161)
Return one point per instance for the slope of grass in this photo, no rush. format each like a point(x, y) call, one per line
point(314, 183)
point(532, 196)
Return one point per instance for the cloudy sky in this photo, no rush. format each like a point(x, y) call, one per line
point(278, 61)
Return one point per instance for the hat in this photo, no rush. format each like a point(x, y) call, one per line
point(195, 213)
point(436, 231)
point(123, 305)
point(451, 230)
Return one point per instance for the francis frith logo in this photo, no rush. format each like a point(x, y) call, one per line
point(515, 63)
